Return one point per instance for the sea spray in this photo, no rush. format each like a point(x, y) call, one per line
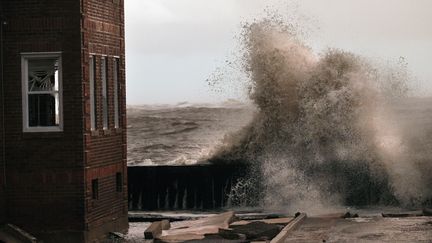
point(320, 136)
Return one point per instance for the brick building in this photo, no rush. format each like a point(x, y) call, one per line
point(63, 124)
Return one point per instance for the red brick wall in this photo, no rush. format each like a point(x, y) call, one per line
point(103, 35)
point(45, 178)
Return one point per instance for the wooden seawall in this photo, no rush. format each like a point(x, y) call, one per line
point(181, 187)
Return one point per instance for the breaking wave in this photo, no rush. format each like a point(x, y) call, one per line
point(322, 133)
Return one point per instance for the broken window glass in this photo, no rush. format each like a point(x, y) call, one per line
point(43, 92)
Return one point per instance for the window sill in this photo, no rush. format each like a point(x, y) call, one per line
point(42, 129)
point(36, 135)
point(95, 133)
point(106, 132)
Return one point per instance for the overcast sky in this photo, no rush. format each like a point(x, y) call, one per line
point(173, 46)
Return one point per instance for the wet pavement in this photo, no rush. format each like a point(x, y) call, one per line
point(363, 229)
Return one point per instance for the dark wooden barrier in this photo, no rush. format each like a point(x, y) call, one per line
point(190, 187)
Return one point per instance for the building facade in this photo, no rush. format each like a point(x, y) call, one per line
point(63, 125)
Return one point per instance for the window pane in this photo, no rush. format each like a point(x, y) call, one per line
point(43, 74)
point(43, 110)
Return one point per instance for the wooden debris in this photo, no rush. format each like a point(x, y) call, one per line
point(197, 229)
point(267, 221)
point(180, 237)
point(116, 236)
point(348, 215)
point(290, 227)
point(222, 220)
point(258, 230)
point(155, 229)
point(158, 216)
point(165, 224)
point(231, 234)
point(220, 228)
point(257, 216)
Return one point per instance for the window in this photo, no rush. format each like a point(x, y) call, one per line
point(104, 92)
point(93, 93)
point(42, 92)
point(95, 189)
point(116, 91)
point(119, 182)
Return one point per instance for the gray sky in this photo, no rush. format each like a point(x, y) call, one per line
point(173, 46)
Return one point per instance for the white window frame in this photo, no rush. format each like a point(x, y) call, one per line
point(116, 67)
point(24, 84)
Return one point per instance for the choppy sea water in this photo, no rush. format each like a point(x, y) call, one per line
point(180, 134)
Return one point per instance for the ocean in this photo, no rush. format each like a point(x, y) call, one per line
point(181, 134)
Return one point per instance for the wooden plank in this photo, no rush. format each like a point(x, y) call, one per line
point(196, 229)
point(180, 237)
point(153, 231)
point(288, 228)
point(267, 221)
point(165, 224)
point(221, 220)
point(257, 216)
